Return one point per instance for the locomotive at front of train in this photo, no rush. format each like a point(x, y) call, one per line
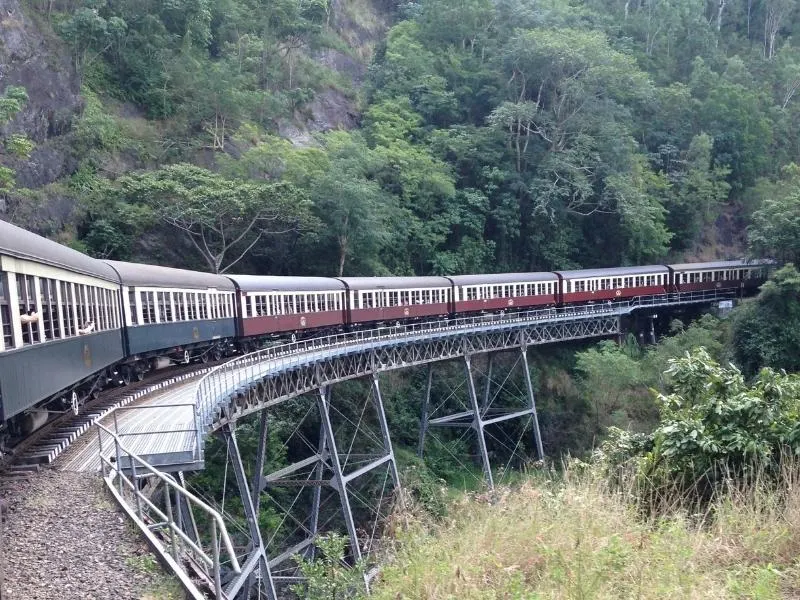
point(173, 316)
point(61, 327)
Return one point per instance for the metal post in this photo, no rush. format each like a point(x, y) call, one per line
point(179, 509)
point(170, 521)
point(100, 442)
point(537, 435)
point(423, 425)
point(215, 550)
point(119, 467)
point(477, 422)
point(323, 401)
point(135, 482)
point(486, 391)
point(319, 470)
point(228, 432)
point(258, 476)
point(387, 441)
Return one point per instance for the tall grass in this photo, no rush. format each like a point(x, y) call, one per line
point(574, 536)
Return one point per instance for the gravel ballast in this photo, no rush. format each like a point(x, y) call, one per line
point(64, 539)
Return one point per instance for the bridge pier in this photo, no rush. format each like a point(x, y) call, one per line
point(318, 493)
point(478, 415)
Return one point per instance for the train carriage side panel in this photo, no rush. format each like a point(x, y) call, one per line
point(504, 291)
point(389, 299)
point(740, 275)
point(596, 285)
point(59, 316)
point(37, 372)
point(169, 309)
point(273, 305)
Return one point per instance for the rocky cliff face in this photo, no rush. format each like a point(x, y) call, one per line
point(30, 57)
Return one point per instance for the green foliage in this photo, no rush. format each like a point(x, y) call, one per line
point(714, 425)
point(222, 218)
point(329, 577)
point(766, 330)
point(17, 145)
point(776, 224)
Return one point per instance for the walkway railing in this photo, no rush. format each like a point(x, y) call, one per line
point(234, 374)
point(151, 518)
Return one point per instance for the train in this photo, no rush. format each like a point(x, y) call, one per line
point(73, 325)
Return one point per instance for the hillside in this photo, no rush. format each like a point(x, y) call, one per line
point(439, 136)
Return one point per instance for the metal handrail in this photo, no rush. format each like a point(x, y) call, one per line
point(196, 430)
point(113, 471)
point(235, 372)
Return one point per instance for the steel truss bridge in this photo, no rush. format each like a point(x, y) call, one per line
point(348, 478)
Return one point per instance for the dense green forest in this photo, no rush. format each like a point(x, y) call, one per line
point(482, 136)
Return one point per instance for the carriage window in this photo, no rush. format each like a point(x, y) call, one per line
point(202, 305)
point(472, 293)
point(67, 304)
point(49, 300)
point(180, 307)
point(261, 306)
point(426, 296)
point(132, 306)
point(26, 291)
point(580, 286)
point(394, 298)
point(5, 313)
point(148, 307)
point(161, 302)
point(707, 276)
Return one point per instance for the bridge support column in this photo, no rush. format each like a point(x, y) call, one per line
point(354, 444)
point(537, 434)
point(257, 560)
point(480, 412)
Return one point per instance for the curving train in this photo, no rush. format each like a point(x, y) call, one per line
point(73, 325)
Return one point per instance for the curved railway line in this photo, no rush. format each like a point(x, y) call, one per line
point(45, 444)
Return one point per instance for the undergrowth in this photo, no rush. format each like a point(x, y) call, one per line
point(574, 536)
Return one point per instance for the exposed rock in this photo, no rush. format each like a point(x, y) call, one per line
point(31, 58)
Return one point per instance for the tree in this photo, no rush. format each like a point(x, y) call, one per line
point(775, 230)
point(713, 426)
point(354, 209)
point(766, 330)
point(223, 219)
point(611, 379)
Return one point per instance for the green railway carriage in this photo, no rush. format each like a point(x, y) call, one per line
point(60, 318)
point(174, 313)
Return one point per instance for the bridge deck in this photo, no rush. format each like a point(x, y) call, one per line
point(149, 429)
point(167, 429)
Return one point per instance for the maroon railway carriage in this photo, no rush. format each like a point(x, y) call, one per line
point(590, 285)
point(504, 291)
point(371, 299)
point(271, 305)
point(730, 274)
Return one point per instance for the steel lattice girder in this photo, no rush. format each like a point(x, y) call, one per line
point(301, 379)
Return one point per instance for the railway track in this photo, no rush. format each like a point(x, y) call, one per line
point(45, 444)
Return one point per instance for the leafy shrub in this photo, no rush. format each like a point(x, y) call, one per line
point(713, 426)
